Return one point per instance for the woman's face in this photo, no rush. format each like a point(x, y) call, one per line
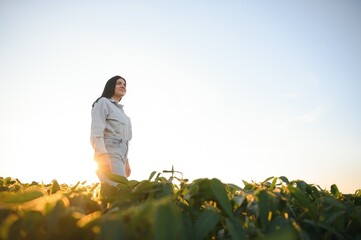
point(120, 89)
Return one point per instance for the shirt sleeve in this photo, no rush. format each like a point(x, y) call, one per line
point(99, 115)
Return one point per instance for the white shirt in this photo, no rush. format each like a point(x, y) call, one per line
point(108, 121)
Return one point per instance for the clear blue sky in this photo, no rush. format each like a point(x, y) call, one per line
point(237, 90)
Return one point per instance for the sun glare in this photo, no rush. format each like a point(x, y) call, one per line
point(81, 171)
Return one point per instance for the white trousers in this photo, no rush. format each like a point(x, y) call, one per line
point(117, 152)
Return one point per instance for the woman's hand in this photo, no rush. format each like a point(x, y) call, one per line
point(104, 163)
point(127, 168)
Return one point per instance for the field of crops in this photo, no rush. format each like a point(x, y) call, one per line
point(166, 206)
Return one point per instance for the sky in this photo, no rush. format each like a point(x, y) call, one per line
point(234, 90)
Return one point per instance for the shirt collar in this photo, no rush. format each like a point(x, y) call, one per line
point(115, 102)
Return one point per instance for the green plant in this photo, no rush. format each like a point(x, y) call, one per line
point(172, 208)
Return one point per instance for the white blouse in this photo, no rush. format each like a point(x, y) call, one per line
point(109, 121)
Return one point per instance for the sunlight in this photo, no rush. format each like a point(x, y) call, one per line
point(29, 165)
point(80, 171)
point(284, 98)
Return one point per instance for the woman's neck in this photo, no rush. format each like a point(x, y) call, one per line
point(116, 99)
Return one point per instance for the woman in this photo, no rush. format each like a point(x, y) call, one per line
point(111, 131)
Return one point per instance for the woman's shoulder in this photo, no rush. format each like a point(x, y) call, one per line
point(103, 100)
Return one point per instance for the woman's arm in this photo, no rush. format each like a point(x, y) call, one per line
point(128, 171)
point(99, 115)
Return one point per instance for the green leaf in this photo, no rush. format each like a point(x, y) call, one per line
point(9, 197)
point(221, 196)
point(32, 223)
point(273, 183)
point(75, 186)
point(335, 191)
point(54, 187)
point(284, 179)
point(303, 200)
point(332, 202)
point(157, 177)
point(187, 228)
point(132, 183)
point(235, 229)
point(144, 186)
point(205, 222)
point(247, 185)
point(269, 178)
point(167, 223)
point(152, 175)
point(281, 229)
point(7, 180)
point(264, 209)
point(193, 190)
point(313, 192)
point(87, 219)
point(94, 187)
point(117, 178)
point(234, 187)
point(328, 228)
point(112, 229)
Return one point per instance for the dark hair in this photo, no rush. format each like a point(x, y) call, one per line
point(109, 88)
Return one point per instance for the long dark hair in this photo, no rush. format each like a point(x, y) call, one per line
point(109, 88)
